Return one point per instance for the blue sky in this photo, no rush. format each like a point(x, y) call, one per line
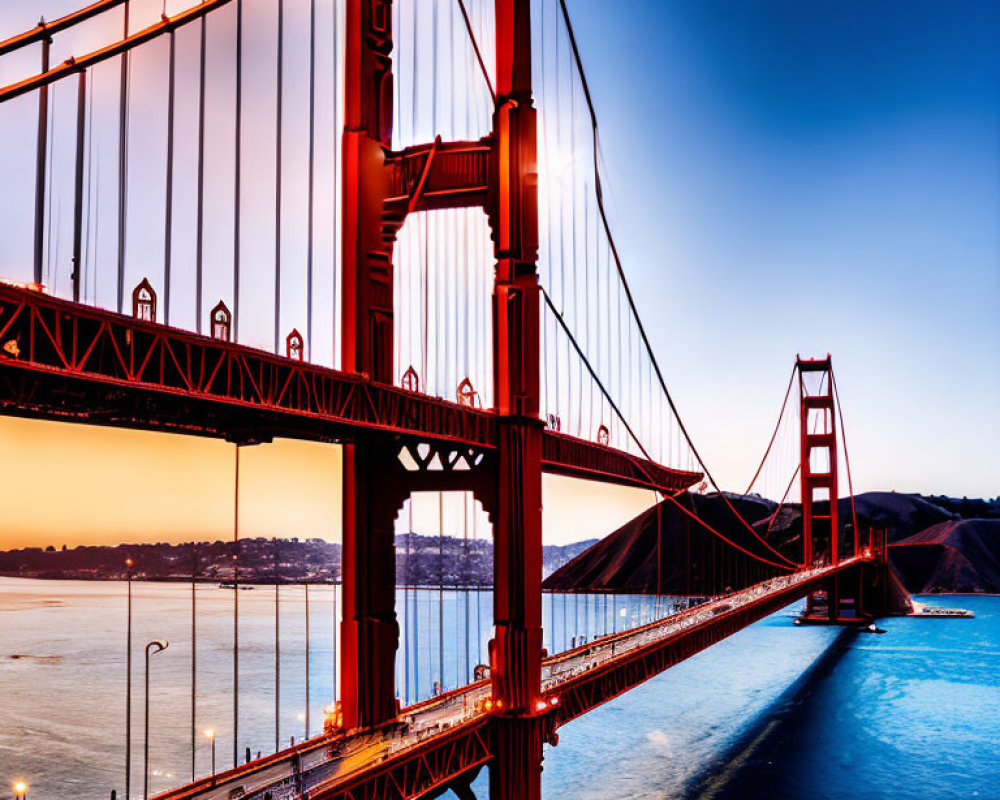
point(798, 177)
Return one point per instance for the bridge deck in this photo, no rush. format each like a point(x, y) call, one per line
point(433, 742)
point(66, 361)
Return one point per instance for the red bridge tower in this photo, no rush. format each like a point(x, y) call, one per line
point(498, 173)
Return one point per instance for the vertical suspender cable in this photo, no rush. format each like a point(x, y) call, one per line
point(128, 685)
point(479, 615)
point(194, 650)
point(425, 275)
point(277, 176)
point(547, 161)
point(438, 288)
point(311, 189)
point(406, 606)
point(90, 187)
point(465, 588)
point(81, 130)
point(40, 156)
point(589, 430)
point(123, 160)
point(277, 645)
point(168, 216)
point(51, 156)
point(562, 237)
point(236, 610)
point(659, 554)
point(458, 626)
point(471, 305)
point(415, 81)
point(237, 170)
point(576, 612)
point(565, 617)
point(336, 634)
point(307, 659)
point(333, 202)
point(200, 234)
point(441, 591)
point(416, 623)
point(552, 621)
point(97, 218)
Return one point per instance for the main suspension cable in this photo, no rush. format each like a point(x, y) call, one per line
point(774, 435)
point(628, 292)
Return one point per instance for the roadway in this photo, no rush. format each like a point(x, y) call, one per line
point(322, 765)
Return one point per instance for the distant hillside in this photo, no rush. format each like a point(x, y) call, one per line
point(626, 560)
point(957, 555)
point(420, 561)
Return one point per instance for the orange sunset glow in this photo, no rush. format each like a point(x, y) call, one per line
point(77, 484)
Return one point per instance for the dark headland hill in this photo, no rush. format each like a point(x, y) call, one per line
point(937, 544)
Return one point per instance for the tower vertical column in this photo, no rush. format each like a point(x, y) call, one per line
point(369, 631)
point(366, 343)
point(819, 435)
point(513, 208)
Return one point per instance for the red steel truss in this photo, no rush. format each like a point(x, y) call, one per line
point(82, 364)
point(594, 687)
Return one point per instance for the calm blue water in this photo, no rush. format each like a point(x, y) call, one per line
point(913, 713)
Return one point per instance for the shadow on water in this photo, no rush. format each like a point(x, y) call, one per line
point(741, 773)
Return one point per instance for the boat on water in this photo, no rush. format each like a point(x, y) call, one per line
point(924, 610)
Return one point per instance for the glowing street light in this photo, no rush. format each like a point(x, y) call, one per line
point(210, 735)
point(129, 563)
point(152, 648)
point(20, 789)
point(333, 718)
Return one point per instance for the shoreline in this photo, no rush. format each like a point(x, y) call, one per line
point(224, 583)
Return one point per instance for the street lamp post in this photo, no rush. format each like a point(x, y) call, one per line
point(210, 734)
point(152, 648)
point(20, 789)
point(129, 563)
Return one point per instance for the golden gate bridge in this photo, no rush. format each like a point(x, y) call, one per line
point(414, 262)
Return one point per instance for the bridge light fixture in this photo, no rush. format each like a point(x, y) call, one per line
point(554, 701)
point(20, 789)
point(210, 735)
point(541, 705)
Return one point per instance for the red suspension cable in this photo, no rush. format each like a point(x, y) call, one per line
point(774, 435)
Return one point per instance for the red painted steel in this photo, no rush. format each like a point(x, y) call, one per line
point(516, 651)
point(819, 437)
point(369, 630)
point(607, 681)
point(82, 364)
point(79, 63)
point(46, 30)
point(813, 439)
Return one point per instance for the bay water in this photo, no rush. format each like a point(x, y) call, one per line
point(776, 711)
